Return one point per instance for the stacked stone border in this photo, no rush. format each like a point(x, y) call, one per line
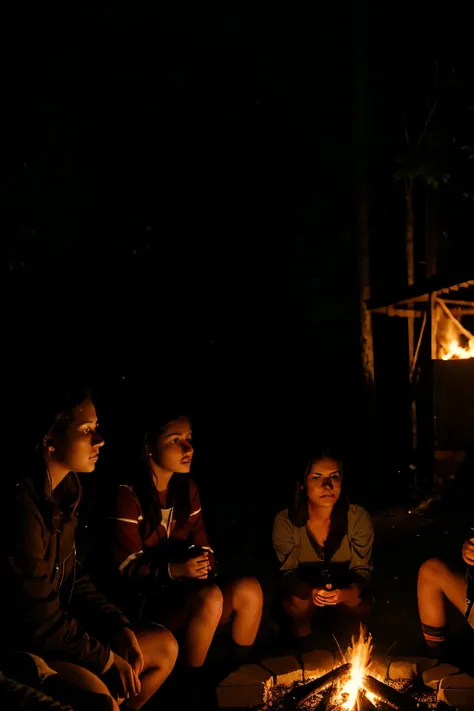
point(251, 684)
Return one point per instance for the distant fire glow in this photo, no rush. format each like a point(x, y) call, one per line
point(456, 352)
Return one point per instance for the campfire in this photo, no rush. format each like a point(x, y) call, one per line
point(347, 695)
point(350, 687)
point(356, 680)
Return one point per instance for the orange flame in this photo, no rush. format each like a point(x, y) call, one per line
point(457, 352)
point(359, 657)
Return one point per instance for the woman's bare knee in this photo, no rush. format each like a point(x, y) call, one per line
point(433, 570)
point(435, 576)
point(210, 601)
point(159, 648)
point(247, 593)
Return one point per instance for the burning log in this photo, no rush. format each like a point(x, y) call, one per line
point(363, 704)
point(392, 697)
point(298, 695)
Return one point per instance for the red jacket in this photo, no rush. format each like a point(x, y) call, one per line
point(141, 552)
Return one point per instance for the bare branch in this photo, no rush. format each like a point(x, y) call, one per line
point(390, 648)
point(430, 116)
point(407, 137)
point(340, 650)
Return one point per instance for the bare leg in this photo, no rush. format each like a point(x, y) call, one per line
point(436, 582)
point(205, 616)
point(301, 612)
point(245, 598)
point(88, 687)
point(160, 651)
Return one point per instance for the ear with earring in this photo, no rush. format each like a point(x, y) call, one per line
point(49, 444)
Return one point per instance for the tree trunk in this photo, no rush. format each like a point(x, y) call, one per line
point(360, 21)
point(431, 233)
point(366, 426)
point(366, 335)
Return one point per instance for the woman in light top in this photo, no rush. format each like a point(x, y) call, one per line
point(324, 546)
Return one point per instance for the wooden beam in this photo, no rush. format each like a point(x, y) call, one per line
point(458, 311)
point(415, 299)
point(420, 292)
point(392, 311)
point(456, 287)
point(457, 302)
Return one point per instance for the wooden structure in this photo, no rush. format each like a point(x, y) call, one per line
point(446, 297)
point(419, 301)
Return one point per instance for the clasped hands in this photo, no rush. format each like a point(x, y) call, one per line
point(197, 568)
point(468, 551)
point(326, 595)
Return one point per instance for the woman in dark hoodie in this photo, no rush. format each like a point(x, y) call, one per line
point(50, 608)
point(162, 555)
point(324, 547)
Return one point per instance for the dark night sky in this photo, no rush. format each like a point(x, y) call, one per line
point(180, 186)
point(178, 158)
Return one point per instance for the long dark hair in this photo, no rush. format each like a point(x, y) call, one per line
point(144, 485)
point(299, 514)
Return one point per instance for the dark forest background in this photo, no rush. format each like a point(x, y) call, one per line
point(179, 214)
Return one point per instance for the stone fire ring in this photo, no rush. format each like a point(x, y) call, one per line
point(250, 686)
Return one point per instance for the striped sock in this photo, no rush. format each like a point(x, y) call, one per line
point(435, 637)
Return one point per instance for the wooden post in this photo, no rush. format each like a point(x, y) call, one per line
point(432, 323)
point(410, 256)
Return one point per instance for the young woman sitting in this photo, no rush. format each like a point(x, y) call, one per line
point(49, 607)
point(162, 553)
point(324, 547)
point(438, 585)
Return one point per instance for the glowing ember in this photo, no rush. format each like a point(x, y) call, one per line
point(359, 657)
point(457, 352)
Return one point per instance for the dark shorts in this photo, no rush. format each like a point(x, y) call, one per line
point(173, 604)
point(341, 620)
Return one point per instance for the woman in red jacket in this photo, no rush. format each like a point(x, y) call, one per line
point(49, 607)
point(161, 550)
